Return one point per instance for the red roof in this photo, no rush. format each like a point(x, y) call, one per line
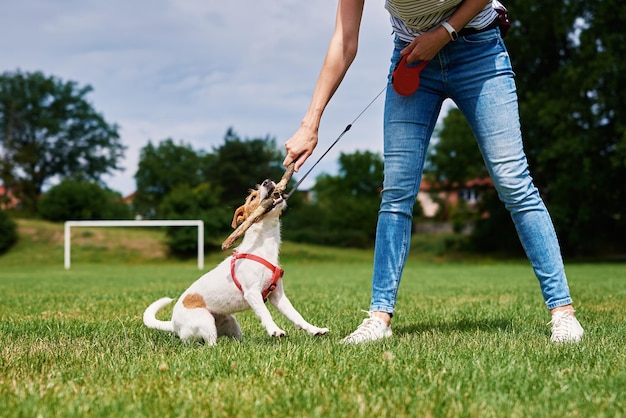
point(477, 182)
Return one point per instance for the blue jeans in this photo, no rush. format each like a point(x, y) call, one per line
point(475, 72)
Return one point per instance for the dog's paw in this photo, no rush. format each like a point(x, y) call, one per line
point(277, 333)
point(317, 331)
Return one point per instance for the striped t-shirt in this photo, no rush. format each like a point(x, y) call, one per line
point(410, 18)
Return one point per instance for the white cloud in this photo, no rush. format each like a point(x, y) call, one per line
point(190, 69)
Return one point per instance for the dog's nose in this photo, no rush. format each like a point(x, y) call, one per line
point(269, 185)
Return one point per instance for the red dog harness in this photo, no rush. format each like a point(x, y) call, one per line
point(277, 272)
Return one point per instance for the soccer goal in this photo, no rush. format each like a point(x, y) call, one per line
point(74, 224)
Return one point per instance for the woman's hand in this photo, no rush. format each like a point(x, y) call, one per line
point(300, 146)
point(426, 46)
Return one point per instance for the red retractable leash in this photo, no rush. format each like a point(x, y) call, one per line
point(405, 78)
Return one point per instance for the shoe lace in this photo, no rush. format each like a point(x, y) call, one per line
point(368, 327)
point(562, 322)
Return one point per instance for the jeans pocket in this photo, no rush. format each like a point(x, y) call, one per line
point(399, 45)
point(491, 35)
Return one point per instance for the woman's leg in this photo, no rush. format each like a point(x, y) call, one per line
point(486, 94)
point(409, 122)
point(408, 125)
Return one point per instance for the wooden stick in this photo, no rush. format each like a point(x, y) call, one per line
point(266, 205)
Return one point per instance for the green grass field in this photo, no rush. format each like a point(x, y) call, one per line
point(470, 339)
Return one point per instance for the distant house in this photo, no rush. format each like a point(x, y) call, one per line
point(469, 192)
point(7, 199)
point(129, 199)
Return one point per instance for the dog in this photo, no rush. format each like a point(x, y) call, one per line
point(242, 281)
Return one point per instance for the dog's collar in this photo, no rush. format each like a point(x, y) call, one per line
point(277, 272)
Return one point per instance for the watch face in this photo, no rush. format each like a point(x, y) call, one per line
point(405, 78)
point(451, 31)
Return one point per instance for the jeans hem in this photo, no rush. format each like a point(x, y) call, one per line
point(558, 303)
point(381, 308)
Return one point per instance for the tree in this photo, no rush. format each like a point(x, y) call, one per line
point(238, 165)
point(82, 200)
point(174, 181)
point(570, 62)
point(201, 202)
point(48, 129)
point(163, 168)
point(452, 161)
point(570, 65)
point(454, 158)
point(345, 209)
point(8, 232)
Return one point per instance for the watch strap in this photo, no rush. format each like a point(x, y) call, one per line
point(451, 31)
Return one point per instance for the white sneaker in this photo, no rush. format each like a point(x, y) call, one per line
point(565, 327)
point(371, 329)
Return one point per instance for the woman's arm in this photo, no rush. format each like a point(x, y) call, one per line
point(341, 52)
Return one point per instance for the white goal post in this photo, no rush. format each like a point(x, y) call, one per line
point(196, 223)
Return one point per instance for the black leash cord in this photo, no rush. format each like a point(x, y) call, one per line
point(295, 187)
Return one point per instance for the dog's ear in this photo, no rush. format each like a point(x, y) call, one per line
point(239, 216)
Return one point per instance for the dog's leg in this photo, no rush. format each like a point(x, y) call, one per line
point(227, 325)
point(284, 306)
point(255, 301)
point(198, 324)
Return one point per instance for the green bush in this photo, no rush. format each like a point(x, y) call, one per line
point(82, 200)
point(496, 233)
point(200, 202)
point(8, 232)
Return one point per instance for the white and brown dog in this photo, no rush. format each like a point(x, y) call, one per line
point(240, 282)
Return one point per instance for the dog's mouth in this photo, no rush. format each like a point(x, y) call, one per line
point(254, 202)
point(267, 189)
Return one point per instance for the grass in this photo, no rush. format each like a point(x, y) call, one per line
point(470, 339)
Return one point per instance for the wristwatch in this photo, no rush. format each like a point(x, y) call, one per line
point(451, 31)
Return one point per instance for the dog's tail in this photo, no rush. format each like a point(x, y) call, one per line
point(149, 316)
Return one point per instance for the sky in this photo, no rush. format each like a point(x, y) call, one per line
point(190, 69)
